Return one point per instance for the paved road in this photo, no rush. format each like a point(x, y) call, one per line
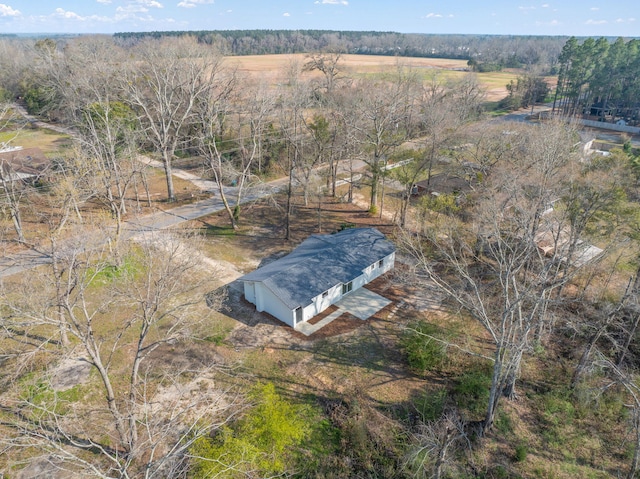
point(161, 219)
point(522, 116)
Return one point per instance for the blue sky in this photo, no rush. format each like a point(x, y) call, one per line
point(521, 17)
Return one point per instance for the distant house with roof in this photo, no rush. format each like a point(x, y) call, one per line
point(318, 273)
point(18, 164)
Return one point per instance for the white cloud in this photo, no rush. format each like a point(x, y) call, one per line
point(138, 6)
point(193, 3)
point(7, 11)
point(551, 23)
point(62, 14)
point(67, 14)
point(594, 9)
point(627, 20)
point(545, 5)
point(286, 14)
point(150, 3)
point(433, 15)
point(332, 2)
point(106, 2)
point(131, 9)
point(526, 9)
point(595, 22)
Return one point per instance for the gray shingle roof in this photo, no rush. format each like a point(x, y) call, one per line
point(321, 262)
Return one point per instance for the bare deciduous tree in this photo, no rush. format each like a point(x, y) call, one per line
point(247, 138)
point(495, 267)
point(380, 117)
point(294, 99)
point(328, 64)
point(435, 443)
point(164, 84)
point(116, 317)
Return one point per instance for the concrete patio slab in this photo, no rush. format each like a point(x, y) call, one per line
point(361, 303)
point(308, 329)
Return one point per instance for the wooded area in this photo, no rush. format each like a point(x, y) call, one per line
point(600, 80)
point(510, 350)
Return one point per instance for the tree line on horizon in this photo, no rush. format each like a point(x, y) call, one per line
point(500, 50)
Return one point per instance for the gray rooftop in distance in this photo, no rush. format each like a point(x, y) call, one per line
point(321, 262)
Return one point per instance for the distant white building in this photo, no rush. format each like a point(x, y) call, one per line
point(318, 273)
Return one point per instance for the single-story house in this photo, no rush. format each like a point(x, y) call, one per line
point(318, 273)
point(552, 239)
point(20, 164)
point(442, 184)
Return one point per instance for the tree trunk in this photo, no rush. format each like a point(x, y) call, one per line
point(166, 160)
point(375, 177)
point(17, 221)
point(494, 393)
point(627, 343)
point(288, 210)
point(635, 461)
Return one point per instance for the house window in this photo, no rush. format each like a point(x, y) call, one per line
point(325, 294)
point(380, 263)
point(347, 287)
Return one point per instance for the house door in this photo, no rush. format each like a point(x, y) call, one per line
point(298, 316)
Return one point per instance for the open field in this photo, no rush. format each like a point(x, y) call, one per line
point(274, 67)
point(49, 141)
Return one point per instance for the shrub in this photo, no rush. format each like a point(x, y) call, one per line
point(265, 440)
point(422, 347)
point(472, 390)
point(503, 423)
point(521, 452)
point(430, 405)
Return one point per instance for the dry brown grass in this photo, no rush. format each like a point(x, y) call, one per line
point(273, 68)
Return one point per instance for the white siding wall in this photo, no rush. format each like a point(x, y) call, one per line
point(309, 312)
point(359, 282)
point(250, 291)
point(374, 270)
point(267, 301)
point(319, 303)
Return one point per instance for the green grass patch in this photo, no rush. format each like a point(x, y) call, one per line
point(503, 423)
point(107, 274)
point(214, 230)
point(558, 408)
point(49, 141)
point(471, 391)
point(219, 335)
